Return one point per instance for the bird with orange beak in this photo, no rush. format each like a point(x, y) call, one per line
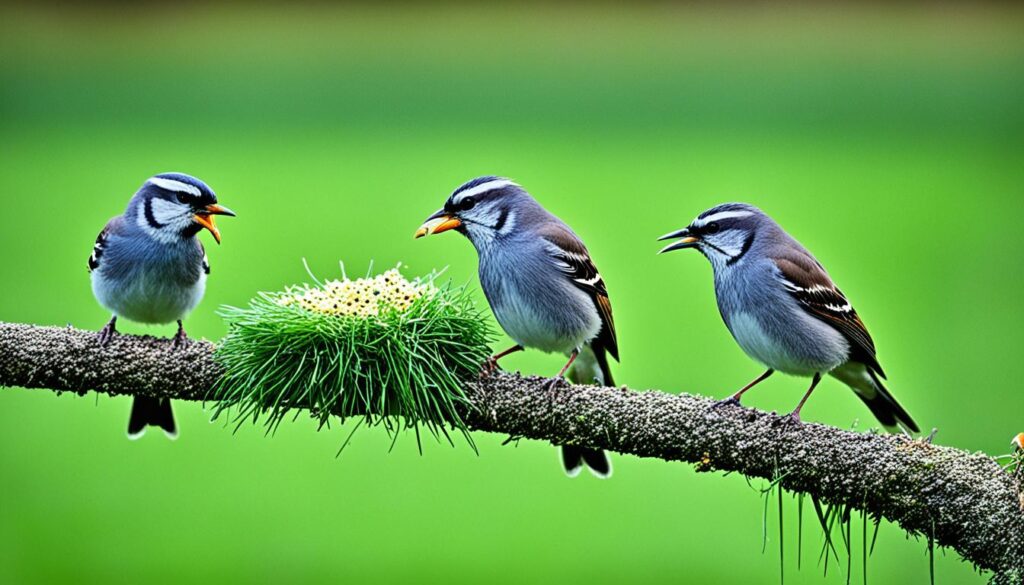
point(148, 266)
point(541, 284)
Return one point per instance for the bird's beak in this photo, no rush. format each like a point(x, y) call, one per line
point(205, 218)
point(441, 221)
point(687, 240)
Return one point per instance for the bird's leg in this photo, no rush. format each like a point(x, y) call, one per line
point(795, 415)
point(565, 368)
point(492, 362)
point(735, 398)
point(109, 330)
point(180, 337)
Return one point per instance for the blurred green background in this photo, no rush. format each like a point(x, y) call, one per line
point(890, 141)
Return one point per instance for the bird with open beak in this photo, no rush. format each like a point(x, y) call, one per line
point(783, 309)
point(540, 282)
point(148, 266)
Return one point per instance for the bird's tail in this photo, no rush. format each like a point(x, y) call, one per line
point(596, 460)
point(591, 367)
point(149, 411)
point(869, 387)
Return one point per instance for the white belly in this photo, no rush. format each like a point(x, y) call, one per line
point(523, 324)
point(146, 300)
point(829, 350)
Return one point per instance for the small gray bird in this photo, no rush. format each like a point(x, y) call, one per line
point(148, 266)
point(783, 308)
point(541, 284)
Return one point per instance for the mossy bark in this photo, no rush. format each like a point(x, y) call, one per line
point(962, 500)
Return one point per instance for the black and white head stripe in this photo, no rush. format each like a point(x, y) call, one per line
point(724, 212)
point(175, 186)
point(165, 205)
point(728, 230)
point(180, 183)
point(478, 188)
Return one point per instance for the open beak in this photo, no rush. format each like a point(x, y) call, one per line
point(205, 218)
point(441, 221)
point(687, 240)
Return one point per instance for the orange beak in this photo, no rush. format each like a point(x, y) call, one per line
point(441, 221)
point(205, 218)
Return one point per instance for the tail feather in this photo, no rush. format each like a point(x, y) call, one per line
point(601, 356)
point(572, 460)
point(884, 405)
point(865, 382)
point(591, 367)
point(596, 460)
point(149, 411)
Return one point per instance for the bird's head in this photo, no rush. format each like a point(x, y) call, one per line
point(723, 233)
point(483, 209)
point(171, 206)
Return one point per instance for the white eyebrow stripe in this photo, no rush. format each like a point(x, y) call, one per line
point(482, 188)
point(723, 215)
point(175, 186)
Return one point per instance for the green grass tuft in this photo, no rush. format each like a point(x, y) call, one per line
point(389, 351)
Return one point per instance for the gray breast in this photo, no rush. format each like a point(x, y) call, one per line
point(147, 281)
point(532, 299)
point(770, 325)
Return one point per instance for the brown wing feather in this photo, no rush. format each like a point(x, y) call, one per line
point(579, 267)
point(812, 287)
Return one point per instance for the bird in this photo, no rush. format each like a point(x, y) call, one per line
point(1018, 442)
point(784, 310)
point(148, 266)
point(541, 284)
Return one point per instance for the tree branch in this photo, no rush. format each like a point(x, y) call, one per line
point(962, 500)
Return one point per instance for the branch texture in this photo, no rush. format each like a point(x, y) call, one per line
point(961, 500)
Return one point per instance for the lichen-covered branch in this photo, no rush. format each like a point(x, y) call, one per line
point(962, 500)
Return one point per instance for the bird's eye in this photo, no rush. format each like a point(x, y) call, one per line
point(712, 228)
point(467, 203)
point(182, 198)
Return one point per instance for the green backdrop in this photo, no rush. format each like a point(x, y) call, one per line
point(889, 142)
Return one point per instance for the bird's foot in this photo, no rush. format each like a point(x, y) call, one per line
point(552, 391)
point(790, 420)
point(180, 339)
point(730, 401)
point(490, 366)
point(555, 383)
point(106, 335)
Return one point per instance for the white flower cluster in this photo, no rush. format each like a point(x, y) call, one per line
point(363, 297)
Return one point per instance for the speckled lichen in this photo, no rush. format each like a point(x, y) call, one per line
point(972, 503)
